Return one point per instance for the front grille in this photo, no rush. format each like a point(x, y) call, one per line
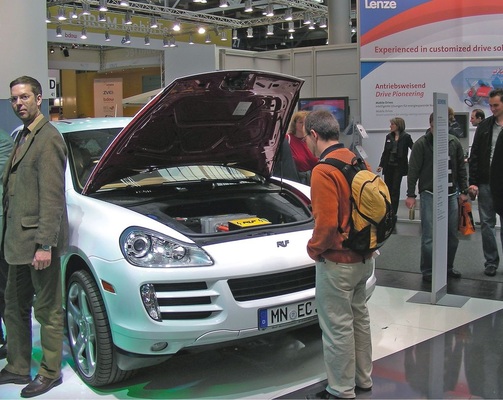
point(196, 303)
point(260, 287)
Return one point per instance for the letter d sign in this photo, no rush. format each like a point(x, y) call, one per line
point(52, 88)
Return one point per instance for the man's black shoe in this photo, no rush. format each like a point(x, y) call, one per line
point(40, 385)
point(426, 278)
point(9, 377)
point(324, 394)
point(3, 351)
point(452, 273)
point(490, 270)
point(362, 389)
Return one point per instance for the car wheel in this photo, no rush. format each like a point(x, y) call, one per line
point(89, 333)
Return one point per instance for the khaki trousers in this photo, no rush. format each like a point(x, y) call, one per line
point(345, 325)
point(23, 282)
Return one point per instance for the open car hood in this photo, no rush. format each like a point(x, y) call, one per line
point(234, 118)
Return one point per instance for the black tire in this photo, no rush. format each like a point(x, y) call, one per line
point(89, 333)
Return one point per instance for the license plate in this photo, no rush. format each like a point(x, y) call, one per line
point(288, 314)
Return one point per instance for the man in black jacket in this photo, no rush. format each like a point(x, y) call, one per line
point(486, 178)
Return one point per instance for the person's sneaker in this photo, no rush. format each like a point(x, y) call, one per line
point(490, 270)
point(452, 273)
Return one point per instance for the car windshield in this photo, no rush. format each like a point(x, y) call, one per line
point(87, 147)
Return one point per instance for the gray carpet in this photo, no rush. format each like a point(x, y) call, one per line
point(402, 251)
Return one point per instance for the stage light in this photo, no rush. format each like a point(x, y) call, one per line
point(208, 39)
point(269, 10)
point(249, 32)
point(61, 14)
point(103, 5)
point(248, 6)
point(83, 34)
point(323, 22)
point(147, 40)
point(124, 3)
point(73, 14)
point(59, 31)
point(176, 26)
point(127, 38)
point(102, 17)
point(153, 22)
point(48, 17)
point(223, 3)
point(201, 30)
point(107, 36)
point(223, 36)
point(86, 9)
point(288, 14)
point(270, 30)
point(234, 34)
point(127, 18)
point(291, 27)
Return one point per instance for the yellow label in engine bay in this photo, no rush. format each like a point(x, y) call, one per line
point(241, 223)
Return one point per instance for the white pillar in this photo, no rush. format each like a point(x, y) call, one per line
point(339, 18)
point(24, 51)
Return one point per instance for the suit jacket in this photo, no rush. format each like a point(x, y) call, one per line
point(6, 144)
point(34, 196)
point(404, 144)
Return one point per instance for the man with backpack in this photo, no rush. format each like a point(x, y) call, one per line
point(421, 169)
point(341, 273)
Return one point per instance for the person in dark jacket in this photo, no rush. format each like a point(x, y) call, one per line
point(421, 172)
point(486, 178)
point(394, 159)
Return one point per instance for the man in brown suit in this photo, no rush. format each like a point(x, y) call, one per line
point(35, 236)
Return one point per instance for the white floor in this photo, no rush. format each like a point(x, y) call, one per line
point(270, 367)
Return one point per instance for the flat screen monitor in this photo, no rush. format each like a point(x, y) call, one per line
point(463, 119)
point(338, 106)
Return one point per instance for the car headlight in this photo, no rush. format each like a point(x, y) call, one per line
point(145, 248)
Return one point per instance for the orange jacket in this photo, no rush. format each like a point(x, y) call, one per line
point(330, 198)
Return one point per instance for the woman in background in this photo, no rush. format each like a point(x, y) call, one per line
point(296, 136)
point(395, 158)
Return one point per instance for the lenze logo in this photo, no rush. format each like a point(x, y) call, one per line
point(380, 4)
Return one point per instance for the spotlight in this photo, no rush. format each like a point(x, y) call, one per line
point(103, 5)
point(86, 9)
point(176, 26)
point(165, 41)
point(307, 19)
point(291, 36)
point(172, 42)
point(84, 33)
point(74, 14)
point(66, 53)
point(249, 32)
point(234, 34)
point(153, 22)
point(107, 36)
point(124, 3)
point(291, 27)
point(248, 6)
point(223, 3)
point(147, 40)
point(270, 30)
point(61, 14)
point(51, 50)
point(208, 39)
point(48, 17)
point(323, 22)
point(201, 30)
point(223, 36)
point(127, 19)
point(288, 14)
point(102, 17)
point(191, 39)
point(269, 11)
point(59, 31)
point(127, 38)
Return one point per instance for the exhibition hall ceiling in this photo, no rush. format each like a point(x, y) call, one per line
point(256, 25)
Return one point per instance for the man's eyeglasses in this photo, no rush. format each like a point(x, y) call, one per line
point(24, 98)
